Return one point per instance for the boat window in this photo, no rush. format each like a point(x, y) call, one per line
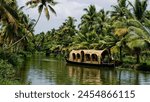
point(78, 56)
point(74, 56)
point(87, 57)
point(94, 57)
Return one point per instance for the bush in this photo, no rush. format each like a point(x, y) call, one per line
point(12, 58)
point(7, 73)
point(15, 59)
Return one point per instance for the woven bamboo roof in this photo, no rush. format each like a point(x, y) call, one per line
point(97, 52)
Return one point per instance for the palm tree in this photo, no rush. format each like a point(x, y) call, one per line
point(132, 36)
point(65, 33)
point(139, 9)
point(102, 22)
point(7, 12)
point(118, 38)
point(42, 4)
point(120, 10)
point(88, 19)
point(26, 25)
point(9, 20)
point(138, 38)
point(11, 36)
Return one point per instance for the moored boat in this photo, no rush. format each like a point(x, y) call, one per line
point(91, 57)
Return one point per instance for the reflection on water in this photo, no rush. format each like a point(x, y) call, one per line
point(51, 71)
point(84, 75)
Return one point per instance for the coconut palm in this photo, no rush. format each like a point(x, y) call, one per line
point(9, 20)
point(120, 10)
point(88, 19)
point(138, 38)
point(133, 36)
point(66, 32)
point(11, 36)
point(7, 12)
point(42, 4)
point(102, 22)
point(26, 25)
point(139, 9)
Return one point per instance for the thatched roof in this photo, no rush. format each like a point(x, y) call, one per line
point(97, 52)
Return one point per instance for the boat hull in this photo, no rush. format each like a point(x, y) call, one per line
point(91, 64)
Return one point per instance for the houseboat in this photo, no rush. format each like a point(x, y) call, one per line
point(91, 57)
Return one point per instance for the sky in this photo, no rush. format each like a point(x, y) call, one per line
point(64, 8)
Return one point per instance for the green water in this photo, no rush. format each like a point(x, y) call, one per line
point(41, 70)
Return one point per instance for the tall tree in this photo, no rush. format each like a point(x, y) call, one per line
point(120, 10)
point(8, 14)
point(9, 21)
point(42, 4)
point(88, 19)
point(138, 38)
point(139, 8)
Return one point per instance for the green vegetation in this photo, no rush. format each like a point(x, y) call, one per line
point(125, 31)
point(7, 73)
point(16, 36)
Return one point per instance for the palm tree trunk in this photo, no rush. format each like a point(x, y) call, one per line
point(137, 58)
point(15, 42)
point(120, 53)
point(137, 52)
point(37, 20)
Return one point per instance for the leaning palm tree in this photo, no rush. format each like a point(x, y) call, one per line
point(41, 4)
point(8, 15)
point(9, 20)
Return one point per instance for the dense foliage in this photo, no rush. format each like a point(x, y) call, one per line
point(125, 30)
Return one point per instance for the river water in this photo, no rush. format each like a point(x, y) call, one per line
point(41, 70)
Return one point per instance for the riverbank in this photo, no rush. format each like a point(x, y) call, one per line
point(128, 62)
point(42, 70)
point(141, 67)
point(9, 64)
point(7, 73)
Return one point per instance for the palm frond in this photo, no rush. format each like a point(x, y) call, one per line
point(47, 13)
point(137, 43)
point(52, 10)
point(40, 8)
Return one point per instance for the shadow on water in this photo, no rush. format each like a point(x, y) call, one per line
point(41, 70)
